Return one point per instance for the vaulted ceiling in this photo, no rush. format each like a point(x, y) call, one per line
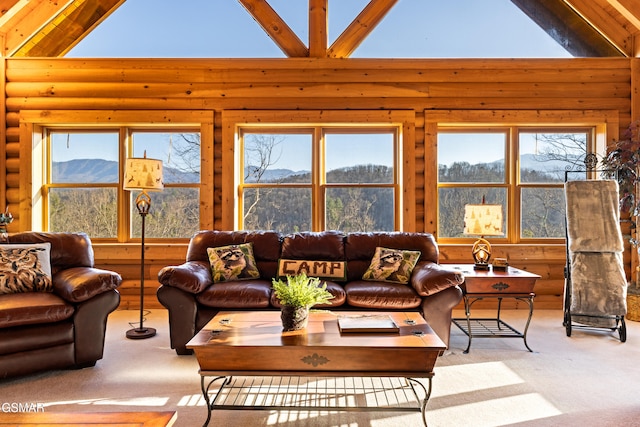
point(586, 28)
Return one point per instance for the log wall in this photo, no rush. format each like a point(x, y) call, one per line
point(43, 86)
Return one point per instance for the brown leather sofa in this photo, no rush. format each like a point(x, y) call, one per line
point(192, 299)
point(64, 328)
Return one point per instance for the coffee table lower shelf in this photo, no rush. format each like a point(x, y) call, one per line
point(306, 393)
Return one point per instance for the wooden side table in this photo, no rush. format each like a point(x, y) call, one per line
point(480, 284)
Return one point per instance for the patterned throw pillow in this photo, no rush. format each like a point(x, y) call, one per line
point(233, 262)
point(25, 268)
point(391, 265)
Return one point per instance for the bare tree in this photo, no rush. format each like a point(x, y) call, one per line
point(567, 147)
point(259, 154)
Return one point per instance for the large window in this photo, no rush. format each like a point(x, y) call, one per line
point(316, 178)
point(83, 185)
point(520, 168)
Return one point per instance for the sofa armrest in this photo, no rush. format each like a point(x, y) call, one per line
point(429, 278)
point(192, 276)
point(78, 284)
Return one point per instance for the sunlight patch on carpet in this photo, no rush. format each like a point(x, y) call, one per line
point(497, 412)
point(453, 380)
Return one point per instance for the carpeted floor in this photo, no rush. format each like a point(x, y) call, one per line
point(588, 379)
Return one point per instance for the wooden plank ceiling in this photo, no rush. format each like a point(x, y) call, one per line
point(50, 28)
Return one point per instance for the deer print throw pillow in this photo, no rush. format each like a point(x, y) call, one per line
point(25, 268)
point(391, 265)
point(233, 262)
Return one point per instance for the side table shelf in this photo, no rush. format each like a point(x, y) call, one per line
point(497, 284)
point(492, 327)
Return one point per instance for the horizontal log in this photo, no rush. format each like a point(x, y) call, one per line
point(12, 149)
point(213, 90)
point(549, 287)
point(279, 89)
point(129, 253)
point(13, 180)
point(214, 64)
point(318, 103)
point(14, 198)
point(318, 75)
point(529, 254)
point(511, 116)
point(13, 165)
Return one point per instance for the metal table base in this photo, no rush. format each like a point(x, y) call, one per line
point(303, 393)
point(492, 327)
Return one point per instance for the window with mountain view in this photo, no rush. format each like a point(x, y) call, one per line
point(83, 184)
point(521, 169)
point(544, 156)
point(176, 208)
point(83, 178)
point(301, 179)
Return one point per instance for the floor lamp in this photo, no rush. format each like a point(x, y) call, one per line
point(142, 174)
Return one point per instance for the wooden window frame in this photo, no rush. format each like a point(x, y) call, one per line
point(33, 127)
point(403, 121)
point(605, 125)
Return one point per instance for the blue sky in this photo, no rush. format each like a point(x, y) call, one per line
point(413, 28)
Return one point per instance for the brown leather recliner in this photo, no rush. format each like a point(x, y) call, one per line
point(192, 299)
point(64, 328)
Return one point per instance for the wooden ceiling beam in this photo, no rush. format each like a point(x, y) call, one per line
point(360, 28)
point(67, 28)
point(630, 9)
point(568, 28)
point(594, 14)
point(6, 6)
point(276, 28)
point(25, 19)
point(318, 32)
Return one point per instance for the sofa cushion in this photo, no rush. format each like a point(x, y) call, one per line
point(266, 247)
point(381, 295)
point(391, 265)
point(67, 249)
point(32, 308)
point(360, 247)
point(233, 262)
point(25, 268)
point(335, 289)
point(310, 245)
point(237, 294)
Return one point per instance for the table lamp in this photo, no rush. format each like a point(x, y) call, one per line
point(142, 174)
point(482, 220)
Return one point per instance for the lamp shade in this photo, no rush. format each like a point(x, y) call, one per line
point(143, 174)
point(483, 220)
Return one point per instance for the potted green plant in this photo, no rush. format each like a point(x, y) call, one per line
point(297, 295)
point(624, 160)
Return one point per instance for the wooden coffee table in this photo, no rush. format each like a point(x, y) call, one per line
point(370, 365)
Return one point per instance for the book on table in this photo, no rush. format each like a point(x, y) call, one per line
point(367, 323)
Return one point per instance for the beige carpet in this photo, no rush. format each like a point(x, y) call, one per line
point(588, 379)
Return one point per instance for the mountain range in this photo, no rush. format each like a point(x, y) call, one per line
point(106, 171)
